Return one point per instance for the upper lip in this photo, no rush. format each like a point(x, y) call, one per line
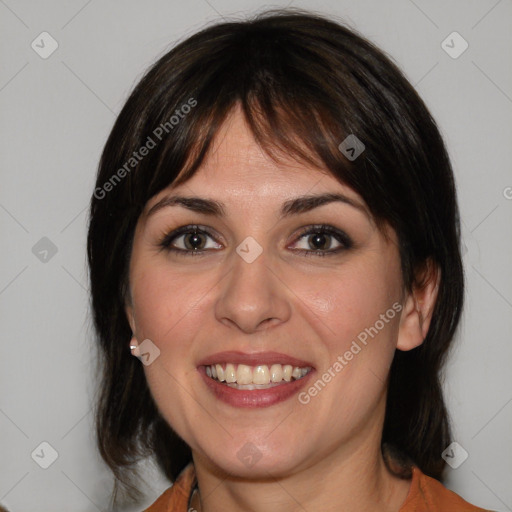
point(253, 359)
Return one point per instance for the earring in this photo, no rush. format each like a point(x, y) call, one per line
point(134, 347)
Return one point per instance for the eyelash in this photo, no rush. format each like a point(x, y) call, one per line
point(340, 236)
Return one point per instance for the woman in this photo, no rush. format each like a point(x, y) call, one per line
point(274, 235)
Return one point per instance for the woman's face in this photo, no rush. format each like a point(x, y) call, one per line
point(267, 290)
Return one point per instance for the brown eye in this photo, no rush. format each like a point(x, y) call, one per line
point(319, 241)
point(191, 240)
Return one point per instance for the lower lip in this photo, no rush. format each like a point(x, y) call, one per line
point(254, 397)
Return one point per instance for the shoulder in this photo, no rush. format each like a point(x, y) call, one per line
point(176, 498)
point(429, 495)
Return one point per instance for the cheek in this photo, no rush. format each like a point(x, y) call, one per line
point(170, 309)
point(165, 301)
point(166, 311)
point(345, 303)
point(356, 317)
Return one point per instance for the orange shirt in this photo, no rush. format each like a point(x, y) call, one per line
point(425, 495)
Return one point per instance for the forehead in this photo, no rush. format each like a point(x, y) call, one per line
point(234, 149)
point(236, 168)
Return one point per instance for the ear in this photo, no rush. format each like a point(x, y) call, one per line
point(130, 317)
point(418, 307)
point(133, 344)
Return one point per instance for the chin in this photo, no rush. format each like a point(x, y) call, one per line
point(243, 458)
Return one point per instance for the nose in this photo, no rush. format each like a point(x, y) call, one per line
point(253, 296)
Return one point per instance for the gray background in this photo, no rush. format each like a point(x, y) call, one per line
point(56, 116)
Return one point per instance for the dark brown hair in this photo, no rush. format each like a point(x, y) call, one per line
point(304, 83)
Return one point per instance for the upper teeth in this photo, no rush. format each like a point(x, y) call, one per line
point(261, 374)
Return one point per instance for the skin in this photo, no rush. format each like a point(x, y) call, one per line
point(323, 455)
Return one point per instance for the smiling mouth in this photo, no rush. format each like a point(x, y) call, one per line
point(245, 377)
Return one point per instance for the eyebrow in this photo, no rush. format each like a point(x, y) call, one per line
point(297, 205)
